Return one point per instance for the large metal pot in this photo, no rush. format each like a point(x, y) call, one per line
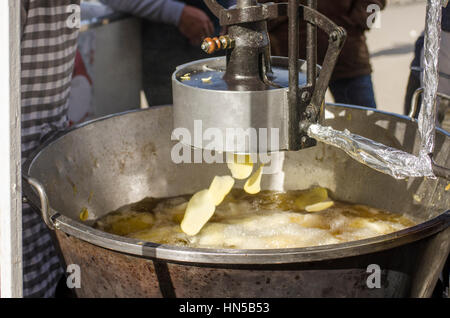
point(110, 162)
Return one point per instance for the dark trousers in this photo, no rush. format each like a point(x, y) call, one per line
point(354, 91)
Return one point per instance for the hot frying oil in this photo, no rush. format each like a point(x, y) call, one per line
point(263, 221)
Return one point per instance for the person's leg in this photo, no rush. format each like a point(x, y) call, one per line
point(354, 91)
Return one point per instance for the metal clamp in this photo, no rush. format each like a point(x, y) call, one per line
point(45, 206)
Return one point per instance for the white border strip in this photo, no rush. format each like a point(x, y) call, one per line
point(10, 161)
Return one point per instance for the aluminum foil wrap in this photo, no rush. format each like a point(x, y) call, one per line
point(394, 162)
point(427, 115)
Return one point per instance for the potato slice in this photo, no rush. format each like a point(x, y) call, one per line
point(199, 210)
point(220, 187)
point(241, 167)
point(253, 184)
point(311, 197)
point(84, 214)
point(317, 207)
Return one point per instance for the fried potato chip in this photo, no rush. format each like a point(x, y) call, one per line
point(310, 197)
point(220, 187)
point(253, 184)
point(200, 209)
point(241, 167)
point(317, 207)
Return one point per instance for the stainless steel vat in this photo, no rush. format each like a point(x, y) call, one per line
point(110, 162)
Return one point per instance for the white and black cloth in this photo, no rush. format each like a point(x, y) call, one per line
point(48, 48)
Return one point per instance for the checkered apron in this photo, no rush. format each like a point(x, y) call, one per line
point(48, 48)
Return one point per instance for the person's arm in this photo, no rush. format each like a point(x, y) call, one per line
point(165, 11)
point(193, 23)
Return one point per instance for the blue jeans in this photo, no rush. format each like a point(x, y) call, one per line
point(354, 91)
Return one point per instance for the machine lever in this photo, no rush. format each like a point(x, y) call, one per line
point(337, 36)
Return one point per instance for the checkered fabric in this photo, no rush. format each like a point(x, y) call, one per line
point(48, 48)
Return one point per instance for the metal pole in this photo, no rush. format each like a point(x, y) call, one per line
point(293, 48)
point(311, 50)
point(427, 115)
point(10, 160)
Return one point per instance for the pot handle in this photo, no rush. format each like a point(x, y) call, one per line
point(40, 190)
point(415, 101)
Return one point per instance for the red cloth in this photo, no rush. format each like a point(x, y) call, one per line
point(80, 68)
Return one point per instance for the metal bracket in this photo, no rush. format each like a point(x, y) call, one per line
point(415, 101)
point(307, 102)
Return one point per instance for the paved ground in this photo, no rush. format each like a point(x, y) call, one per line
point(391, 47)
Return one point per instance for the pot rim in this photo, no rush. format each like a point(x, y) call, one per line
point(235, 256)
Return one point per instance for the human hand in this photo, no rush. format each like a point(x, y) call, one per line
point(195, 25)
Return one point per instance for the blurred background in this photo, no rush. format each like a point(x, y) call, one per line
point(392, 50)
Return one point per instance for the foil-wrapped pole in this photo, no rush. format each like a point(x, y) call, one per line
point(427, 115)
point(397, 163)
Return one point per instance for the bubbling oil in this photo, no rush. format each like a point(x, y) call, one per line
point(266, 220)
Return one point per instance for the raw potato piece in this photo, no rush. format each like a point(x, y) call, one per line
point(253, 184)
point(84, 214)
point(220, 187)
point(241, 167)
point(186, 77)
point(319, 206)
point(311, 197)
point(199, 210)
